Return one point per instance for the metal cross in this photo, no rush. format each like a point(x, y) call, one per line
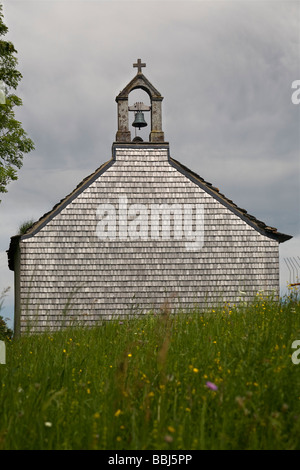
point(139, 65)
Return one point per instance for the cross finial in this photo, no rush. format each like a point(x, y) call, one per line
point(139, 65)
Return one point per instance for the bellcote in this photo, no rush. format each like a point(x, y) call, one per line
point(139, 81)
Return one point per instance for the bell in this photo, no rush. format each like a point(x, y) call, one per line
point(139, 120)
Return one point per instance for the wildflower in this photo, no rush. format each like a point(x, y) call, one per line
point(168, 438)
point(117, 413)
point(195, 370)
point(188, 409)
point(171, 429)
point(48, 424)
point(240, 401)
point(151, 394)
point(129, 355)
point(119, 438)
point(97, 415)
point(212, 386)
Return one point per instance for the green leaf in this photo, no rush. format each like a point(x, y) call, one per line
point(14, 142)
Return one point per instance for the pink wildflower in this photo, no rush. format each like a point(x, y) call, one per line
point(212, 386)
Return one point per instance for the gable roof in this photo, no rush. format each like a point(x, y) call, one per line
point(260, 226)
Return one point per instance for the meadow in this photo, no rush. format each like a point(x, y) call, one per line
point(222, 378)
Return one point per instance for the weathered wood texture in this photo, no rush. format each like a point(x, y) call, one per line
point(67, 274)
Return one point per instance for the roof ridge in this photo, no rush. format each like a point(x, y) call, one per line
point(68, 198)
point(269, 231)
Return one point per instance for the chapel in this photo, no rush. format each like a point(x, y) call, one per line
point(141, 232)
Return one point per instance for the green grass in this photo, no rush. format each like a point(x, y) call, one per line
point(142, 384)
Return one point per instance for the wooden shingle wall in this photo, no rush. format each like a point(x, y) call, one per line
point(68, 274)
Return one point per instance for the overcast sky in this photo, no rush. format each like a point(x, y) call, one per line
point(225, 69)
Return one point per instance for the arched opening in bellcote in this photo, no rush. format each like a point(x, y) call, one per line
point(139, 99)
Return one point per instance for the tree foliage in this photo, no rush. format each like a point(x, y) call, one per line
point(25, 226)
point(14, 141)
point(5, 332)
